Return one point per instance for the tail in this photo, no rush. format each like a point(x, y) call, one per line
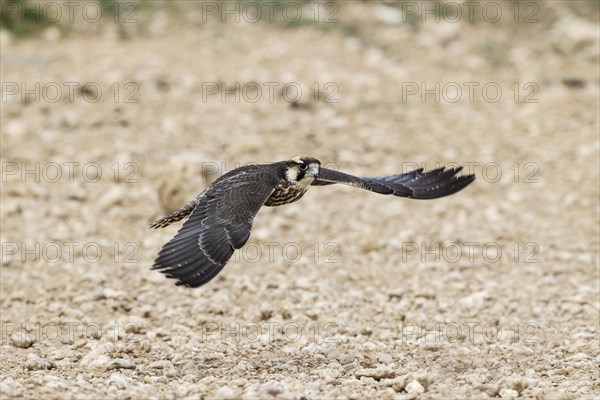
point(176, 216)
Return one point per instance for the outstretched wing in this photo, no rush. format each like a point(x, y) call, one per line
point(416, 184)
point(220, 223)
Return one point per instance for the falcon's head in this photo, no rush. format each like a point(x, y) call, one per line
point(302, 170)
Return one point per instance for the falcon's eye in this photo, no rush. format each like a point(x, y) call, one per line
point(302, 166)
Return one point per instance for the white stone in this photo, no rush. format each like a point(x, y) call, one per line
point(414, 387)
point(226, 393)
point(22, 340)
point(508, 393)
point(35, 362)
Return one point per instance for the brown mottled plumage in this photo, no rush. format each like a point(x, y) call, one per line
point(220, 218)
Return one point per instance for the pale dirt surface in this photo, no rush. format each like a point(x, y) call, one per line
point(358, 314)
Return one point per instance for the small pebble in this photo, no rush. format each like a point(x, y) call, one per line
point(226, 393)
point(35, 362)
point(414, 387)
point(118, 380)
point(398, 384)
point(120, 363)
point(375, 373)
point(22, 340)
point(508, 393)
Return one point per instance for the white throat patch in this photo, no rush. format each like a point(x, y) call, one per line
point(292, 176)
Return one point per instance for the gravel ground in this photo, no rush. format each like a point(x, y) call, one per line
point(492, 292)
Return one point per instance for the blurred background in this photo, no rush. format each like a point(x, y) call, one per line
point(116, 113)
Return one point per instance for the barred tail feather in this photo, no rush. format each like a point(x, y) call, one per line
point(176, 216)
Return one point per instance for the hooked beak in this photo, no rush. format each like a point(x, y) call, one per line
point(314, 171)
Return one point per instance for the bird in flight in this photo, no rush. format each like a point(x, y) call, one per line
point(220, 218)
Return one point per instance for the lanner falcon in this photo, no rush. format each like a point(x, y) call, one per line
point(220, 218)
